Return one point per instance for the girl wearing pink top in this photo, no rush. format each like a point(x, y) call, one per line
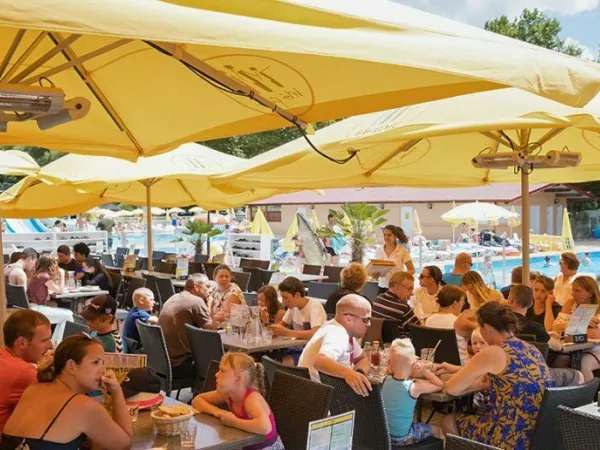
point(43, 283)
point(240, 385)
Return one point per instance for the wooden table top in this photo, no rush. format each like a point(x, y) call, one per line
point(233, 342)
point(210, 434)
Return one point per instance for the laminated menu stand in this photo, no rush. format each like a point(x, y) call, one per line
point(576, 330)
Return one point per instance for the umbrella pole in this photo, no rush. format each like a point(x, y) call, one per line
point(207, 236)
point(3, 311)
point(149, 226)
point(525, 224)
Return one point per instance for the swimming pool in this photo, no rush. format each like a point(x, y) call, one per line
point(502, 269)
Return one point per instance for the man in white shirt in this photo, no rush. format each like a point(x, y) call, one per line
point(569, 263)
point(334, 350)
point(304, 315)
point(18, 271)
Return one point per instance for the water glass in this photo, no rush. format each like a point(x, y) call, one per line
point(134, 409)
point(267, 336)
point(427, 354)
point(188, 436)
point(77, 284)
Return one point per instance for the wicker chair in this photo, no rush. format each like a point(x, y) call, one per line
point(295, 403)
point(74, 328)
point(311, 269)
point(545, 433)
point(370, 428)
point(155, 347)
point(272, 366)
point(333, 273)
point(206, 346)
point(459, 443)
point(579, 430)
point(210, 382)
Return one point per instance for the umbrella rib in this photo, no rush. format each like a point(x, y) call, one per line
point(46, 57)
point(402, 149)
point(549, 135)
point(70, 55)
point(497, 138)
point(221, 81)
point(77, 61)
point(183, 186)
point(24, 56)
point(11, 51)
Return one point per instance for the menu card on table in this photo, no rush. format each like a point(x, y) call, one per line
point(333, 433)
point(580, 320)
point(181, 272)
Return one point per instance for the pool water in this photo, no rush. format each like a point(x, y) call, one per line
point(502, 269)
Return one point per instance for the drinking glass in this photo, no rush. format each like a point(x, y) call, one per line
point(267, 336)
point(77, 284)
point(188, 436)
point(134, 409)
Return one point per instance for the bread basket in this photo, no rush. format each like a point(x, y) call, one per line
point(170, 426)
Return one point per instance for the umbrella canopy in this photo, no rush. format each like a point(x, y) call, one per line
point(157, 211)
point(429, 145)
point(478, 212)
point(175, 210)
point(314, 220)
point(567, 233)
point(417, 230)
point(224, 68)
point(514, 221)
point(177, 178)
point(196, 209)
point(288, 242)
point(260, 224)
point(13, 162)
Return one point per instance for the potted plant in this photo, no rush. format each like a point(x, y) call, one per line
point(357, 222)
point(196, 232)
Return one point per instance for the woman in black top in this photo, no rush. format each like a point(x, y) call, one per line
point(57, 415)
point(544, 309)
point(96, 275)
point(353, 279)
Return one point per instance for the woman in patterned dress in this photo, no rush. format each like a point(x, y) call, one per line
point(515, 373)
point(224, 293)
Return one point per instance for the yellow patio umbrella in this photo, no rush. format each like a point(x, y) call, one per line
point(140, 77)
point(314, 220)
point(75, 183)
point(12, 163)
point(259, 224)
point(288, 242)
point(477, 212)
point(416, 224)
point(514, 221)
point(433, 145)
point(567, 235)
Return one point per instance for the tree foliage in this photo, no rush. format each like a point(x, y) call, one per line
point(250, 145)
point(535, 27)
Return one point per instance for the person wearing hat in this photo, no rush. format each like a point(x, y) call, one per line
point(100, 316)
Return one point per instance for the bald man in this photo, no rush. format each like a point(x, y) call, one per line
point(334, 350)
point(462, 264)
point(189, 306)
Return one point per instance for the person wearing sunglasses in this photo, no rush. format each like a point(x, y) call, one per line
point(430, 283)
point(334, 349)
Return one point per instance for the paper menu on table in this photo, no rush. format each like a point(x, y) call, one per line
point(333, 433)
point(182, 268)
point(580, 320)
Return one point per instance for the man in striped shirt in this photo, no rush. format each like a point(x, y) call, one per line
point(393, 303)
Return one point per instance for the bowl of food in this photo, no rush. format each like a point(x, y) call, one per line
point(171, 420)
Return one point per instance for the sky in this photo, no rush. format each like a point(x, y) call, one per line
point(579, 18)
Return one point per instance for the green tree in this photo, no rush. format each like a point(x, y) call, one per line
point(535, 27)
point(249, 145)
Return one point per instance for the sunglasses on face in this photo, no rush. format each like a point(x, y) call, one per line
point(365, 320)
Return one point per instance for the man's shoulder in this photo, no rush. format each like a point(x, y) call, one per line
point(15, 368)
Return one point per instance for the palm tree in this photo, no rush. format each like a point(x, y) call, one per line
point(357, 222)
point(197, 232)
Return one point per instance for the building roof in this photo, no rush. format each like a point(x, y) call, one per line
point(507, 193)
